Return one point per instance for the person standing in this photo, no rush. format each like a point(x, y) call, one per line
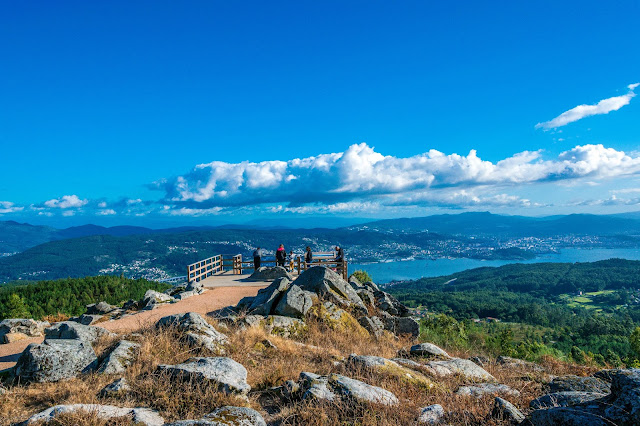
point(308, 257)
point(281, 256)
point(257, 257)
point(339, 254)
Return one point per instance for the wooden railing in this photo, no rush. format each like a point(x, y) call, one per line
point(220, 263)
point(204, 268)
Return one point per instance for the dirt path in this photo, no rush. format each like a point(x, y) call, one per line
point(210, 300)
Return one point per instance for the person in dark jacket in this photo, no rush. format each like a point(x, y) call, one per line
point(257, 257)
point(281, 256)
point(339, 254)
point(308, 257)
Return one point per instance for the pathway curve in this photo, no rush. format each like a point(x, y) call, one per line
point(212, 299)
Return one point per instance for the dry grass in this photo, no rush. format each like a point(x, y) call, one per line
point(320, 350)
point(56, 318)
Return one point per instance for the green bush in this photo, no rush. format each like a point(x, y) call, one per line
point(362, 276)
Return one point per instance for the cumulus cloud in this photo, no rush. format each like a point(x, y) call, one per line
point(65, 202)
point(361, 173)
point(605, 106)
point(9, 207)
point(106, 212)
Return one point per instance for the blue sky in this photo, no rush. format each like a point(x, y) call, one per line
point(107, 109)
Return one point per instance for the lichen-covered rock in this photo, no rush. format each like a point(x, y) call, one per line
point(230, 376)
point(460, 366)
point(563, 399)
point(481, 389)
point(144, 416)
point(26, 326)
point(386, 366)
point(373, 325)
point(294, 303)
point(269, 273)
point(115, 388)
point(431, 415)
point(284, 326)
point(428, 350)
point(504, 410)
point(329, 285)
point(119, 358)
point(55, 360)
point(74, 330)
point(391, 305)
point(14, 337)
point(226, 416)
point(579, 384)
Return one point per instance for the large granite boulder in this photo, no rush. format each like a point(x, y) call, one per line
point(26, 326)
point(390, 367)
point(335, 387)
point(579, 384)
point(122, 355)
point(481, 389)
point(563, 399)
point(504, 410)
point(54, 360)
point(153, 299)
point(269, 273)
point(329, 285)
point(387, 303)
point(230, 376)
point(143, 416)
point(294, 303)
point(268, 297)
point(226, 416)
point(401, 326)
point(373, 325)
point(74, 330)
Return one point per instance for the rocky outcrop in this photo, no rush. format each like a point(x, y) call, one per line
point(144, 416)
point(87, 319)
point(564, 399)
point(267, 298)
point(386, 366)
point(230, 376)
point(227, 415)
point(196, 330)
point(54, 360)
point(579, 384)
point(373, 325)
point(25, 326)
point(100, 308)
point(330, 286)
point(402, 326)
point(117, 361)
point(269, 273)
point(74, 330)
point(620, 407)
point(294, 303)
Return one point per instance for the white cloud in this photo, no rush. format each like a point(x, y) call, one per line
point(9, 207)
point(361, 174)
point(66, 202)
point(605, 106)
point(106, 212)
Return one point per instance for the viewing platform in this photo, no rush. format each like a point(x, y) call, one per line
point(231, 270)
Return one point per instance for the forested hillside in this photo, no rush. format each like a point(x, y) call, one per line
point(69, 296)
point(592, 307)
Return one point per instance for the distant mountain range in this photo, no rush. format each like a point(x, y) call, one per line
point(17, 237)
point(487, 224)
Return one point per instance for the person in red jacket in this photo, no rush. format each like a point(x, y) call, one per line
point(281, 256)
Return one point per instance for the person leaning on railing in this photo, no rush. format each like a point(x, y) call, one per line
point(281, 256)
point(257, 257)
point(339, 259)
point(308, 257)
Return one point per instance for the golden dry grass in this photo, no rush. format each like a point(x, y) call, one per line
point(319, 350)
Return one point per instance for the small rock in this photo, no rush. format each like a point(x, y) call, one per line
point(431, 415)
point(361, 391)
point(482, 361)
point(115, 388)
point(515, 363)
point(152, 299)
point(504, 410)
point(481, 389)
point(100, 308)
point(230, 376)
point(428, 350)
point(143, 416)
point(197, 331)
point(87, 319)
point(459, 366)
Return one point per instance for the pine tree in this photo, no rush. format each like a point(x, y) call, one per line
point(16, 307)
